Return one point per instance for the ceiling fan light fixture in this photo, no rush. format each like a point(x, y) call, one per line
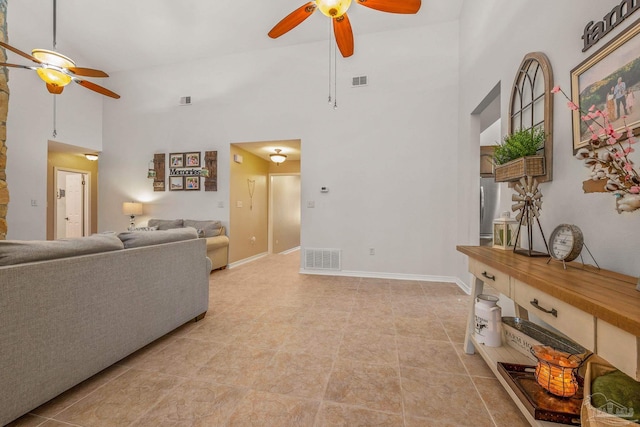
point(333, 8)
point(53, 62)
point(277, 157)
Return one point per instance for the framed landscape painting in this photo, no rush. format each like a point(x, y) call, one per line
point(176, 183)
point(609, 80)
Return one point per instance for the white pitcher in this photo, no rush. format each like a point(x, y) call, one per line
point(488, 327)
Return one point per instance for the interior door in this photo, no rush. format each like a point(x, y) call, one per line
point(285, 197)
point(74, 183)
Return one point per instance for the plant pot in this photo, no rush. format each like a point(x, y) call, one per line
point(518, 168)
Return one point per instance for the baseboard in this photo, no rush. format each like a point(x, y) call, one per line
point(247, 260)
point(288, 251)
point(391, 276)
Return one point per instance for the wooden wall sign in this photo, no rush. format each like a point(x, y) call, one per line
point(158, 165)
point(211, 164)
point(594, 31)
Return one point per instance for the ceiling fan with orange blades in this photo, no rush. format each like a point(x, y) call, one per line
point(57, 70)
point(337, 11)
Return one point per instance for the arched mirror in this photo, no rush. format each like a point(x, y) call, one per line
point(531, 104)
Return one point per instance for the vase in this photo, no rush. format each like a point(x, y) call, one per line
point(628, 202)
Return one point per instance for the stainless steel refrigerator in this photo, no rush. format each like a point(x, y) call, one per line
point(489, 201)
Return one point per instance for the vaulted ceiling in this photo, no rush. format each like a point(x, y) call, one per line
point(118, 35)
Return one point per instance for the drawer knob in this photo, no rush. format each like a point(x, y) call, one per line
point(552, 312)
point(488, 276)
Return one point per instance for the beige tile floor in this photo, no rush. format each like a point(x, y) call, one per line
point(278, 348)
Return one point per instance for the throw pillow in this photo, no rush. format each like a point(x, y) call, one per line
point(145, 229)
point(209, 228)
point(166, 224)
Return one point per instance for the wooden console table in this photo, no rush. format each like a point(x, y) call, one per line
point(598, 309)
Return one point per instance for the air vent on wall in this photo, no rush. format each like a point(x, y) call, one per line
point(359, 81)
point(322, 259)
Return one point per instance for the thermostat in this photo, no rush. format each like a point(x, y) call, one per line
point(324, 189)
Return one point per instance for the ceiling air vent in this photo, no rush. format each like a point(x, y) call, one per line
point(359, 81)
point(322, 259)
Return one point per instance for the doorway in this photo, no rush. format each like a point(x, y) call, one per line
point(254, 209)
point(71, 211)
point(487, 119)
point(284, 213)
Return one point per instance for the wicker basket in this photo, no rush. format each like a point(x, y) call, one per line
point(516, 169)
point(591, 416)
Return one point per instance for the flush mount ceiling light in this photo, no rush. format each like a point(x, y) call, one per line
point(337, 11)
point(277, 157)
point(92, 157)
point(57, 70)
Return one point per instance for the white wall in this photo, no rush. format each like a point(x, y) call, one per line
point(30, 126)
point(386, 153)
point(494, 37)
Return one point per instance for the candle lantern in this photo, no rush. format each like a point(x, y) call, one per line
point(556, 370)
point(504, 233)
point(151, 170)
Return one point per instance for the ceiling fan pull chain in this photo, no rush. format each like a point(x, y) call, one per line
point(55, 133)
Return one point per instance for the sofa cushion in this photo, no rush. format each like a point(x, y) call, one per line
point(166, 224)
point(136, 239)
point(21, 251)
point(209, 228)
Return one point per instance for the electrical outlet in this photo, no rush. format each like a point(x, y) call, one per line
point(238, 203)
point(372, 251)
point(34, 202)
point(311, 204)
point(221, 204)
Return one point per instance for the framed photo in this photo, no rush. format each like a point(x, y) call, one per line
point(192, 160)
point(176, 183)
point(610, 81)
point(191, 182)
point(176, 160)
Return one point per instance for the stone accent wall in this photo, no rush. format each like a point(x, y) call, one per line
point(4, 108)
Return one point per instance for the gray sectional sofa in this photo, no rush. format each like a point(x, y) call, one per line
point(71, 308)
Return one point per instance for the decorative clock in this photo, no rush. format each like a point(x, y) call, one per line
point(566, 242)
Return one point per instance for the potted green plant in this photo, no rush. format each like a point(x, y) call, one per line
point(517, 155)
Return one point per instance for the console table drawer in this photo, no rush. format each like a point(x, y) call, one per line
point(619, 348)
point(490, 276)
point(573, 322)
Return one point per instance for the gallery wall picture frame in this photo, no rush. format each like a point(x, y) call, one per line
point(191, 183)
point(176, 183)
point(609, 80)
point(192, 160)
point(176, 160)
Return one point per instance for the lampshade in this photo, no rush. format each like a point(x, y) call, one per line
point(52, 75)
point(277, 157)
point(132, 208)
point(91, 157)
point(333, 8)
